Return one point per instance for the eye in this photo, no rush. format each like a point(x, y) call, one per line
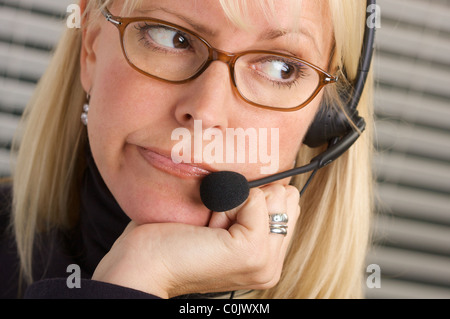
point(278, 69)
point(168, 37)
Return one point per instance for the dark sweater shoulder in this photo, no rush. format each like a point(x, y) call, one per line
point(50, 261)
point(5, 206)
point(57, 288)
point(50, 254)
point(9, 261)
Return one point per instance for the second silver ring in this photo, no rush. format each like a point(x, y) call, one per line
point(278, 218)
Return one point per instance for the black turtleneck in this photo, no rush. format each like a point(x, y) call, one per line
point(101, 222)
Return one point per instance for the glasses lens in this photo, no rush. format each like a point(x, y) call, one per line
point(164, 51)
point(275, 80)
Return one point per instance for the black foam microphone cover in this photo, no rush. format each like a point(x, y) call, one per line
point(224, 190)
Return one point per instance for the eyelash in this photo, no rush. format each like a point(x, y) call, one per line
point(155, 47)
point(299, 70)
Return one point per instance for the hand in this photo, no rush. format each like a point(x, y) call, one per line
point(235, 252)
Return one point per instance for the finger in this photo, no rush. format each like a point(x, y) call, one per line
point(224, 220)
point(220, 220)
point(275, 198)
point(279, 251)
point(252, 218)
point(276, 204)
point(293, 211)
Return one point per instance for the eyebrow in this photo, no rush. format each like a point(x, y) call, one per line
point(266, 35)
point(196, 26)
point(272, 34)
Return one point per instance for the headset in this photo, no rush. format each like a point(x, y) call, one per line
point(332, 122)
point(222, 191)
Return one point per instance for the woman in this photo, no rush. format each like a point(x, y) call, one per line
point(106, 194)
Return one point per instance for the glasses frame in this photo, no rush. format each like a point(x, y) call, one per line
point(217, 55)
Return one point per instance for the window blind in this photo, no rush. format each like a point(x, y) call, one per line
point(412, 165)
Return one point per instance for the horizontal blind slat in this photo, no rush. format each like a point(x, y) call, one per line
point(17, 61)
point(23, 27)
point(392, 288)
point(412, 107)
point(426, 14)
point(411, 234)
point(402, 263)
point(55, 7)
point(408, 138)
point(15, 94)
point(399, 168)
point(412, 203)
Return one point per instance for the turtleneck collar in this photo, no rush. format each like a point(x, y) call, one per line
point(102, 220)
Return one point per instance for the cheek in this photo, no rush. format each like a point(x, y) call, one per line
point(123, 100)
point(128, 106)
point(292, 131)
point(123, 103)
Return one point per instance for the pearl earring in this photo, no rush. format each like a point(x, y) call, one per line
point(84, 115)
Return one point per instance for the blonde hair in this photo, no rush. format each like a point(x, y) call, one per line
point(327, 253)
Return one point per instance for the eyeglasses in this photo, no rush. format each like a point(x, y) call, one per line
point(171, 53)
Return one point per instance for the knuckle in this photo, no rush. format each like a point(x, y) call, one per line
point(292, 193)
point(275, 190)
point(274, 280)
point(290, 189)
point(257, 194)
point(256, 200)
point(266, 276)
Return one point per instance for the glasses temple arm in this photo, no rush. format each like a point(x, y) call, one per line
point(109, 17)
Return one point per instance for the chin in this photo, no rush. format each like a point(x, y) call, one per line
point(151, 207)
point(149, 195)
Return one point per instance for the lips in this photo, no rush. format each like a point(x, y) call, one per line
point(164, 163)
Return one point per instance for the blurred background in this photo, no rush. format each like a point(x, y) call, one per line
point(412, 165)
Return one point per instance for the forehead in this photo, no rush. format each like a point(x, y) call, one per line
point(242, 13)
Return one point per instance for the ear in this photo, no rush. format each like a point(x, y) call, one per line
point(88, 57)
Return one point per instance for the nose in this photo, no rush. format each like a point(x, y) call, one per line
point(208, 98)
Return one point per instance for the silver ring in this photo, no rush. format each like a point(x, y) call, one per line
point(278, 229)
point(278, 223)
point(278, 218)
